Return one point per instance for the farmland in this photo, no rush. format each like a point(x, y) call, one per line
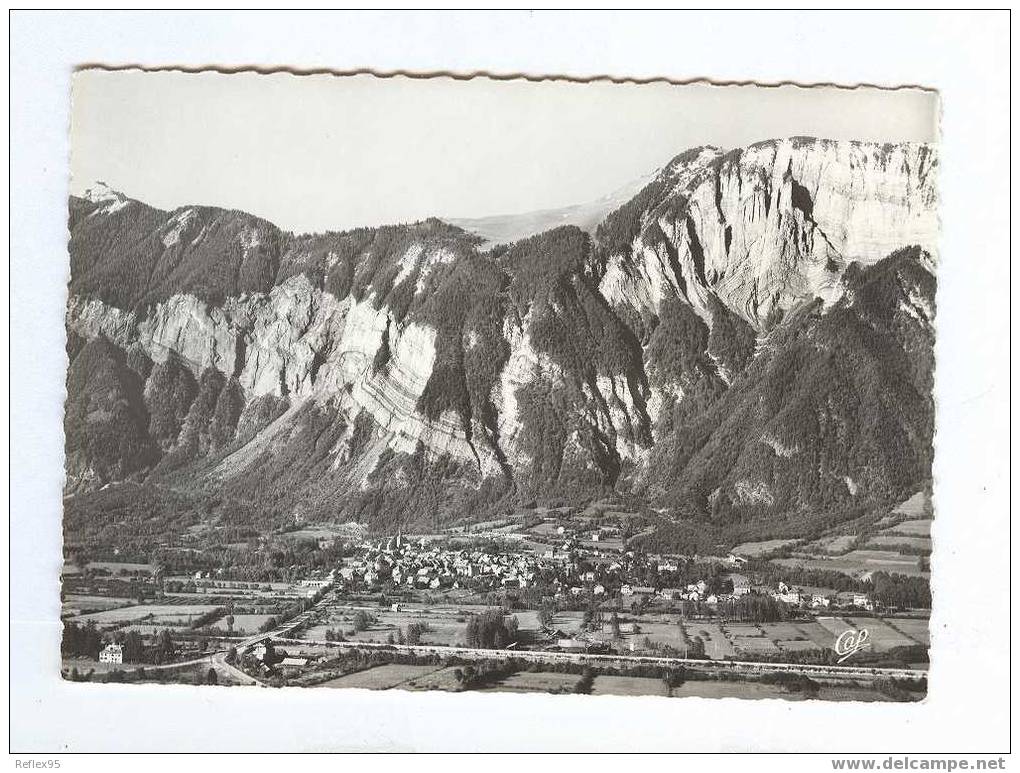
point(628, 685)
point(858, 562)
point(761, 548)
point(535, 681)
point(75, 604)
point(243, 624)
point(154, 614)
point(444, 623)
point(558, 587)
point(916, 629)
point(895, 542)
point(727, 689)
point(383, 677)
point(915, 528)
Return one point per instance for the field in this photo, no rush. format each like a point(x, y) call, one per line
point(79, 604)
point(545, 529)
point(835, 625)
point(819, 635)
point(758, 548)
point(717, 645)
point(750, 639)
point(628, 685)
point(566, 621)
point(890, 538)
point(858, 562)
point(831, 545)
point(790, 637)
point(915, 528)
point(84, 665)
point(657, 629)
point(444, 679)
point(916, 629)
point(907, 526)
point(243, 623)
point(113, 567)
point(535, 681)
point(446, 625)
point(721, 689)
point(837, 692)
point(917, 506)
point(881, 636)
point(383, 677)
point(150, 614)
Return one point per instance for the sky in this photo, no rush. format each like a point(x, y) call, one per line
point(324, 152)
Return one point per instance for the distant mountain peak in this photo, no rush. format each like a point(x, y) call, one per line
point(506, 228)
point(102, 194)
point(99, 191)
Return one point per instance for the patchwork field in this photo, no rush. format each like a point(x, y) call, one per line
point(781, 631)
point(383, 677)
point(917, 506)
point(628, 685)
point(658, 630)
point(113, 567)
point(835, 625)
point(94, 603)
point(818, 635)
point(835, 553)
point(758, 548)
point(917, 528)
point(796, 645)
point(754, 645)
point(890, 538)
point(917, 629)
point(720, 689)
point(881, 636)
point(243, 623)
point(444, 679)
point(858, 562)
point(535, 681)
point(446, 624)
point(831, 545)
point(153, 614)
point(717, 645)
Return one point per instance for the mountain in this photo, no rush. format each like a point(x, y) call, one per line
point(504, 229)
point(746, 342)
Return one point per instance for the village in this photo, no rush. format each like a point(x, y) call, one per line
point(542, 587)
point(572, 570)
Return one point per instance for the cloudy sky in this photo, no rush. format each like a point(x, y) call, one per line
point(318, 152)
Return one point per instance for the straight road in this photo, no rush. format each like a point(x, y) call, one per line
point(533, 656)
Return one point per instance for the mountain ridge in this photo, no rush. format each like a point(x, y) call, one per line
point(441, 381)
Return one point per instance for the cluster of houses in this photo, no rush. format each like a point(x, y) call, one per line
point(424, 566)
point(567, 569)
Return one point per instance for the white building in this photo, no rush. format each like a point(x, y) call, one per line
point(112, 653)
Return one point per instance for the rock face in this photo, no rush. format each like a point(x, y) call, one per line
point(412, 374)
point(768, 226)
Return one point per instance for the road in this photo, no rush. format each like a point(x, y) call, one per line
point(219, 659)
point(533, 656)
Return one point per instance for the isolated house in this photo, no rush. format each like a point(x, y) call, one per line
point(112, 653)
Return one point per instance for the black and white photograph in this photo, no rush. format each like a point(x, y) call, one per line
point(486, 390)
point(674, 438)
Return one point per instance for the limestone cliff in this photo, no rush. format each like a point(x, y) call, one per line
point(414, 369)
